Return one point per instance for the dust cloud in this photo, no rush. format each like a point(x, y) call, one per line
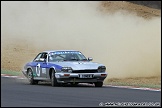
point(129, 45)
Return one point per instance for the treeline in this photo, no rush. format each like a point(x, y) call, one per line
point(151, 4)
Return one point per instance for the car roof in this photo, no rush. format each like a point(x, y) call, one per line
point(57, 50)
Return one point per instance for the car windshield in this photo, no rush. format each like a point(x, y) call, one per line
point(66, 56)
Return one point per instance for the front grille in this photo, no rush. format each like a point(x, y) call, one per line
point(84, 71)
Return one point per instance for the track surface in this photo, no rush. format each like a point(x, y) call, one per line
point(18, 93)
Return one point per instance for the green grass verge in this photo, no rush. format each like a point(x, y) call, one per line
point(135, 85)
point(9, 72)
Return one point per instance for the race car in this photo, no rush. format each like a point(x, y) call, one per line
point(63, 67)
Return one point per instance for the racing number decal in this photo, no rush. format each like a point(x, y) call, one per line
point(38, 70)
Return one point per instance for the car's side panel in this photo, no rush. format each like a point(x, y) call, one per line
point(41, 69)
point(32, 65)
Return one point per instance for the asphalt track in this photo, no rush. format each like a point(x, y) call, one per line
point(18, 93)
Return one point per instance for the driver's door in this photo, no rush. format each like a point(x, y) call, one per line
point(40, 65)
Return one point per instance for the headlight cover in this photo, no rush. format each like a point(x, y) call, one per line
point(66, 69)
point(101, 69)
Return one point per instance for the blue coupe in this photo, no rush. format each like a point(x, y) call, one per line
point(64, 66)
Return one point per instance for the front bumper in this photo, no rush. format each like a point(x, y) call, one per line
point(75, 77)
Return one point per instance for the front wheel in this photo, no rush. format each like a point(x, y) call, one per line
point(31, 77)
point(53, 79)
point(98, 84)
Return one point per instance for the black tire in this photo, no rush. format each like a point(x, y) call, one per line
point(36, 81)
point(54, 82)
point(98, 84)
point(31, 77)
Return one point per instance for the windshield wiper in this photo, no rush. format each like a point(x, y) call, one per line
point(74, 59)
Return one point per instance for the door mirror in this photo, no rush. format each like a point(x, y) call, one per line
point(90, 58)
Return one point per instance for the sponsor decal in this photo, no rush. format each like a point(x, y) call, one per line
point(44, 70)
point(34, 74)
point(64, 52)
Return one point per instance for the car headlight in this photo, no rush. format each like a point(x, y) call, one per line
point(101, 69)
point(66, 69)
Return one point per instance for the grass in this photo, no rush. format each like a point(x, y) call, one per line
point(135, 85)
point(148, 82)
point(9, 72)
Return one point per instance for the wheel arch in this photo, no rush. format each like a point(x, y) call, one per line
point(29, 67)
point(50, 71)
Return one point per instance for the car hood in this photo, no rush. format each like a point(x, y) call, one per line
point(79, 65)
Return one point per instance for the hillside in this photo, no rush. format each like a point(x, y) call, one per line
point(140, 10)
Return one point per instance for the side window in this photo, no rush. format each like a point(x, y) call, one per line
point(44, 55)
point(38, 57)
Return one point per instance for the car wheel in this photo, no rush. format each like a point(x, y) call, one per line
point(98, 84)
point(31, 77)
point(36, 82)
point(53, 79)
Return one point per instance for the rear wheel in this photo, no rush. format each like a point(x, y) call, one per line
point(98, 84)
point(53, 79)
point(31, 77)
